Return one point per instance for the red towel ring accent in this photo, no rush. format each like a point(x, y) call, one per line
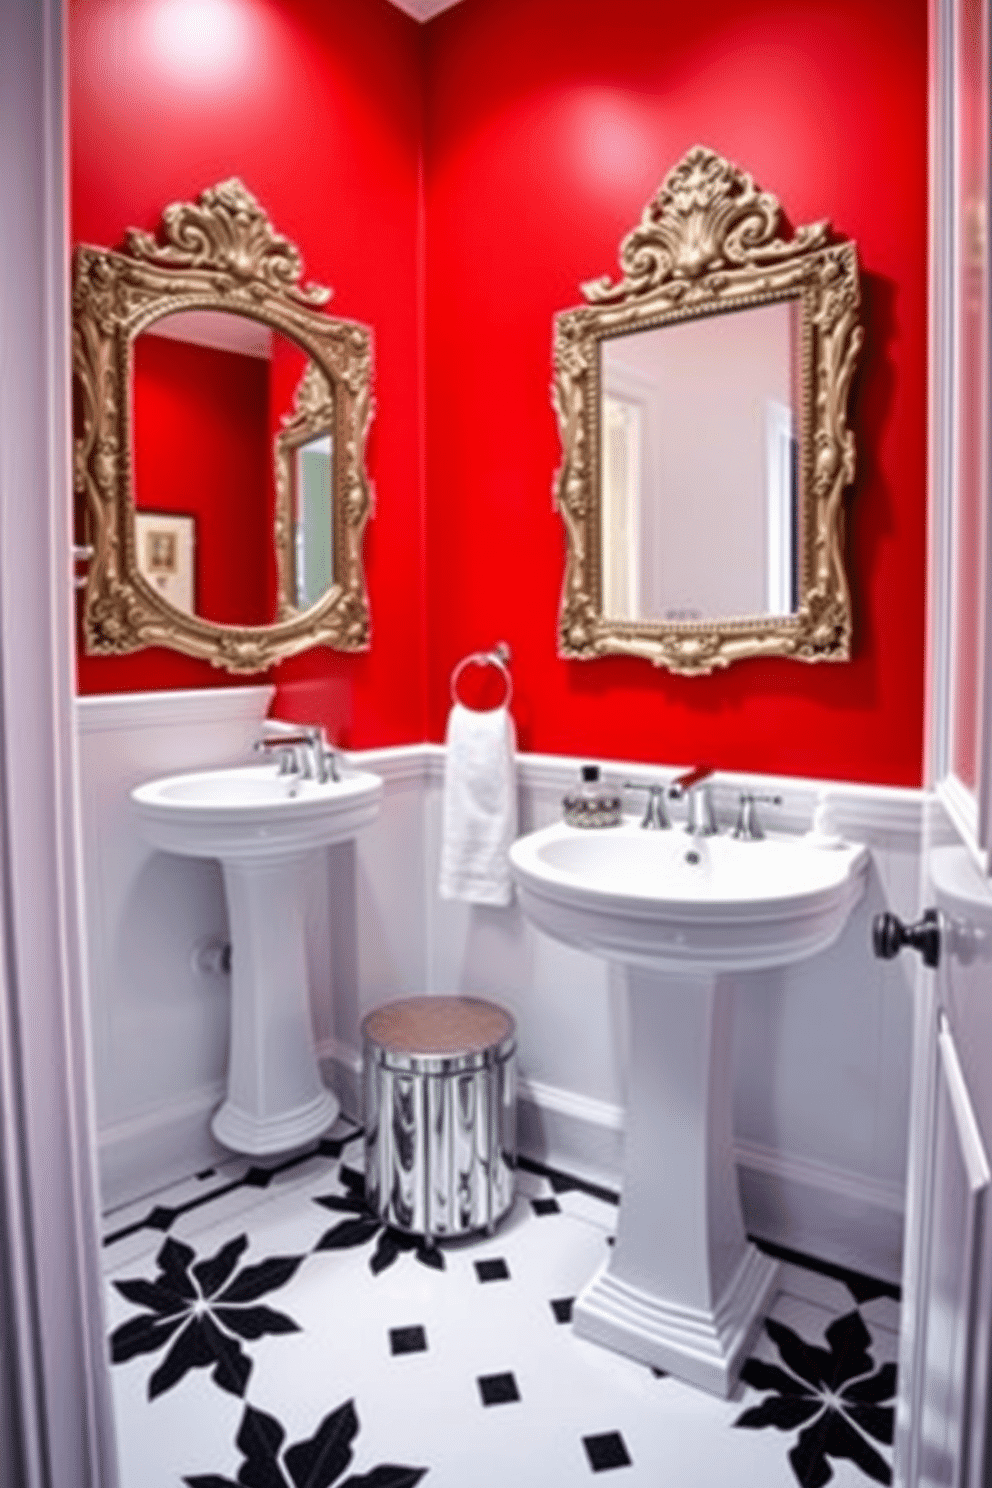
point(498, 658)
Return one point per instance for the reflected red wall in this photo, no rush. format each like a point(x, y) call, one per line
point(201, 447)
point(317, 106)
point(550, 123)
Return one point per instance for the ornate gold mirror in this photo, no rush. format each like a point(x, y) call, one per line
point(221, 421)
point(702, 407)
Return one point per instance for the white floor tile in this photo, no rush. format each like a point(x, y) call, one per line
point(424, 1407)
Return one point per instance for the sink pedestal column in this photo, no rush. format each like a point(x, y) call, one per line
point(275, 1097)
point(683, 1288)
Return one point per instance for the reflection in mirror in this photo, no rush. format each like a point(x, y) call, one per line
point(166, 553)
point(211, 394)
point(202, 366)
point(698, 418)
point(313, 546)
point(702, 405)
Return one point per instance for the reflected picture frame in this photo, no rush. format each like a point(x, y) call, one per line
point(165, 544)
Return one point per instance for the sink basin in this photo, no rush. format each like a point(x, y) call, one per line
point(266, 829)
point(253, 811)
point(702, 903)
point(683, 1289)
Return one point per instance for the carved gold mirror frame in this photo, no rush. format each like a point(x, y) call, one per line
point(707, 244)
point(219, 254)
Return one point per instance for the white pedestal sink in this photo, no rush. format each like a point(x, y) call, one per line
point(683, 1289)
point(266, 829)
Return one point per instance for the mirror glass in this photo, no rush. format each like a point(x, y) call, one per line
point(313, 519)
point(212, 392)
point(699, 474)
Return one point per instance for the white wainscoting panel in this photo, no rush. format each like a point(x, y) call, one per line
point(159, 1027)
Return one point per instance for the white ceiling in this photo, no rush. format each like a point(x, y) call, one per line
point(422, 10)
point(216, 328)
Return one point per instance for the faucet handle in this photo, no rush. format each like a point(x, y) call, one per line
point(326, 756)
point(286, 753)
point(749, 828)
point(655, 816)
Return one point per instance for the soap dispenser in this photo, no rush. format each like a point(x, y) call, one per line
point(593, 804)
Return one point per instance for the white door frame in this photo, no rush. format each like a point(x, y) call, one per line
point(970, 811)
point(56, 1423)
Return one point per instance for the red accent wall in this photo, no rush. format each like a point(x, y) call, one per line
point(317, 106)
point(549, 125)
point(540, 128)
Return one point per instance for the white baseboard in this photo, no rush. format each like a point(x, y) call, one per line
point(158, 1147)
point(341, 1067)
point(823, 1211)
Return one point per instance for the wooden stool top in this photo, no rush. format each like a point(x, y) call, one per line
point(440, 1027)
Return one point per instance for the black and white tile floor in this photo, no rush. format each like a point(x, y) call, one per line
point(267, 1333)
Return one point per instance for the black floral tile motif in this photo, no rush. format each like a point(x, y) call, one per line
point(365, 1226)
point(317, 1462)
point(837, 1396)
point(205, 1307)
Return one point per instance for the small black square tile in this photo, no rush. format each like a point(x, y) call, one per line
point(545, 1206)
point(497, 1389)
point(330, 1146)
point(494, 1270)
point(562, 1309)
point(160, 1219)
point(606, 1451)
point(258, 1177)
point(412, 1340)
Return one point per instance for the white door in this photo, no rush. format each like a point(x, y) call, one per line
point(942, 1415)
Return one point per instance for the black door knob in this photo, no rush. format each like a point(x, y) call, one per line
point(889, 935)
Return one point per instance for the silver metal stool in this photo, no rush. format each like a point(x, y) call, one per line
point(439, 1107)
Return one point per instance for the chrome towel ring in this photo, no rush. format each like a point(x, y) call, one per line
point(498, 657)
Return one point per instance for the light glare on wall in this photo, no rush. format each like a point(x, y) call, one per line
point(612, 136)
point(201, 39)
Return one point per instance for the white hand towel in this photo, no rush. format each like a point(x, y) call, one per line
point(480, 806)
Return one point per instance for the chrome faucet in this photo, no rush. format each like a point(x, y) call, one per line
point(305, 753)
point(695, 785)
